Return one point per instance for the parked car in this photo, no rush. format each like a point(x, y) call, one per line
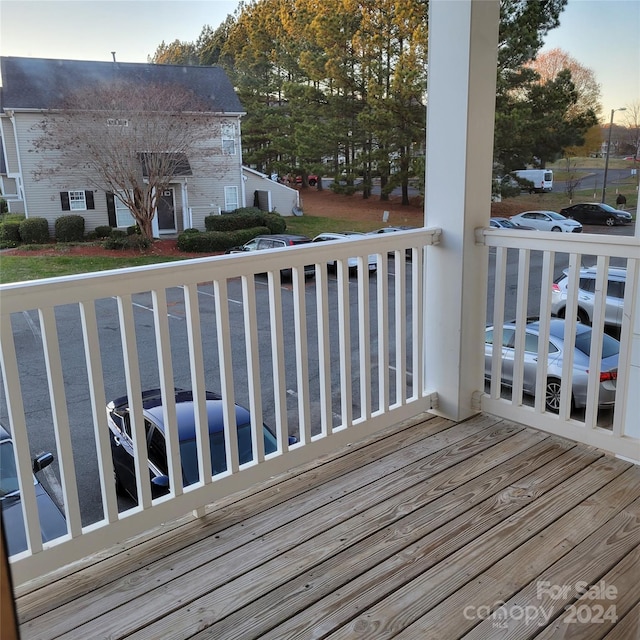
point(556, 350)
point(276, 241)
point(596, 213)
point(52, 520)
point(547, 221)
point(352, 262)
point(614, 302)
point(311, 179)
point(507, 223)
point(404, 227)
point(118, 418)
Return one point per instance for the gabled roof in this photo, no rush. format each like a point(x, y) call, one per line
point(39, 83)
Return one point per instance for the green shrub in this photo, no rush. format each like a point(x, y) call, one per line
point(34, 231)
point(138, 242)
point(9, 234)
point(13, 217)
point(212, 241)
point(69, 228)
point(134, 229)
point(4, 207)
point(103, 231)
point(246, 218)
point(119, 240)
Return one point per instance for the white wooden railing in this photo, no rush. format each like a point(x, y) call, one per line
point(616, 431)
point(326, 360)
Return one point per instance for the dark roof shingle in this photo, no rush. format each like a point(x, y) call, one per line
point(39, 83)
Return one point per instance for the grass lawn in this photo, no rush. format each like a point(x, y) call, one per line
point(19, 268)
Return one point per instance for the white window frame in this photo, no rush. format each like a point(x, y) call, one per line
point(77, 201)
point(231, 198)
point(124, 217)
point(228, 139)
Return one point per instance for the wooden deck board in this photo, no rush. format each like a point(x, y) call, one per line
point(393, 539)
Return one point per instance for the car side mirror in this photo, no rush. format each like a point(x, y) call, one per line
point(293, 440)
point(162, 482)
point(159, 486)
point(42, 461)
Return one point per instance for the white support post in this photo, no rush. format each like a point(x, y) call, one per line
point(463, 43)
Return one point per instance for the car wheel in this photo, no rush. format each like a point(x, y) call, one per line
point(583, 317)
point(552, 395)
point(556, 229)
point(610, 221)
point(312, 183)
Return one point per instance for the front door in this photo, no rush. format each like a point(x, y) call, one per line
point(166, 212)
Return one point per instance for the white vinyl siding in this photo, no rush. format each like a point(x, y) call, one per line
point(205, 194)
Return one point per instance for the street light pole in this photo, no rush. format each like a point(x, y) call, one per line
point(606, 161)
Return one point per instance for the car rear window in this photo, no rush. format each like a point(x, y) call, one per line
point(610, 347)
point(189, 451)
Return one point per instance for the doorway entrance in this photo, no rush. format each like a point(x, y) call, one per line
point(166, 212)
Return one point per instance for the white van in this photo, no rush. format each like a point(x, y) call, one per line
point(541, 179)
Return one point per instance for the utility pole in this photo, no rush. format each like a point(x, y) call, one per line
point(606, 162)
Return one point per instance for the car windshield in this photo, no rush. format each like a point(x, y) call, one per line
point(507, 223)
point(8, 472)
point(608, 207)
point(610, 346)
point(189, 456)
point(554, 215)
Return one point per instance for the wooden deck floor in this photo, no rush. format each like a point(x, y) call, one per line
point(421, 533)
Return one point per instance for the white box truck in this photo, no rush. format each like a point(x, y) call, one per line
point(541, 179)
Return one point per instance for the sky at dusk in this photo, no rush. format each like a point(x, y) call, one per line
point(603, 35)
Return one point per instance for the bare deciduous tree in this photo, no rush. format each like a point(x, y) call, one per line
point(125, 138)
point(550, 63)
point(632, 120)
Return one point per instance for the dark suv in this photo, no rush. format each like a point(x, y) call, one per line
point(586, 295)
point(276, 241)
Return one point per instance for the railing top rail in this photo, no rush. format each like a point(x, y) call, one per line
point(20, 296)
point(585, 243)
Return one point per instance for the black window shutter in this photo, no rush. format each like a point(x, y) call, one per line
point(111, 210)
point(64, 199)
point(88, 198)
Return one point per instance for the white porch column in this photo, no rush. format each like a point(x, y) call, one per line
point(463, 41)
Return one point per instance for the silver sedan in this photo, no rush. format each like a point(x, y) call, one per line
point(556, 349)
point(547, 221)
